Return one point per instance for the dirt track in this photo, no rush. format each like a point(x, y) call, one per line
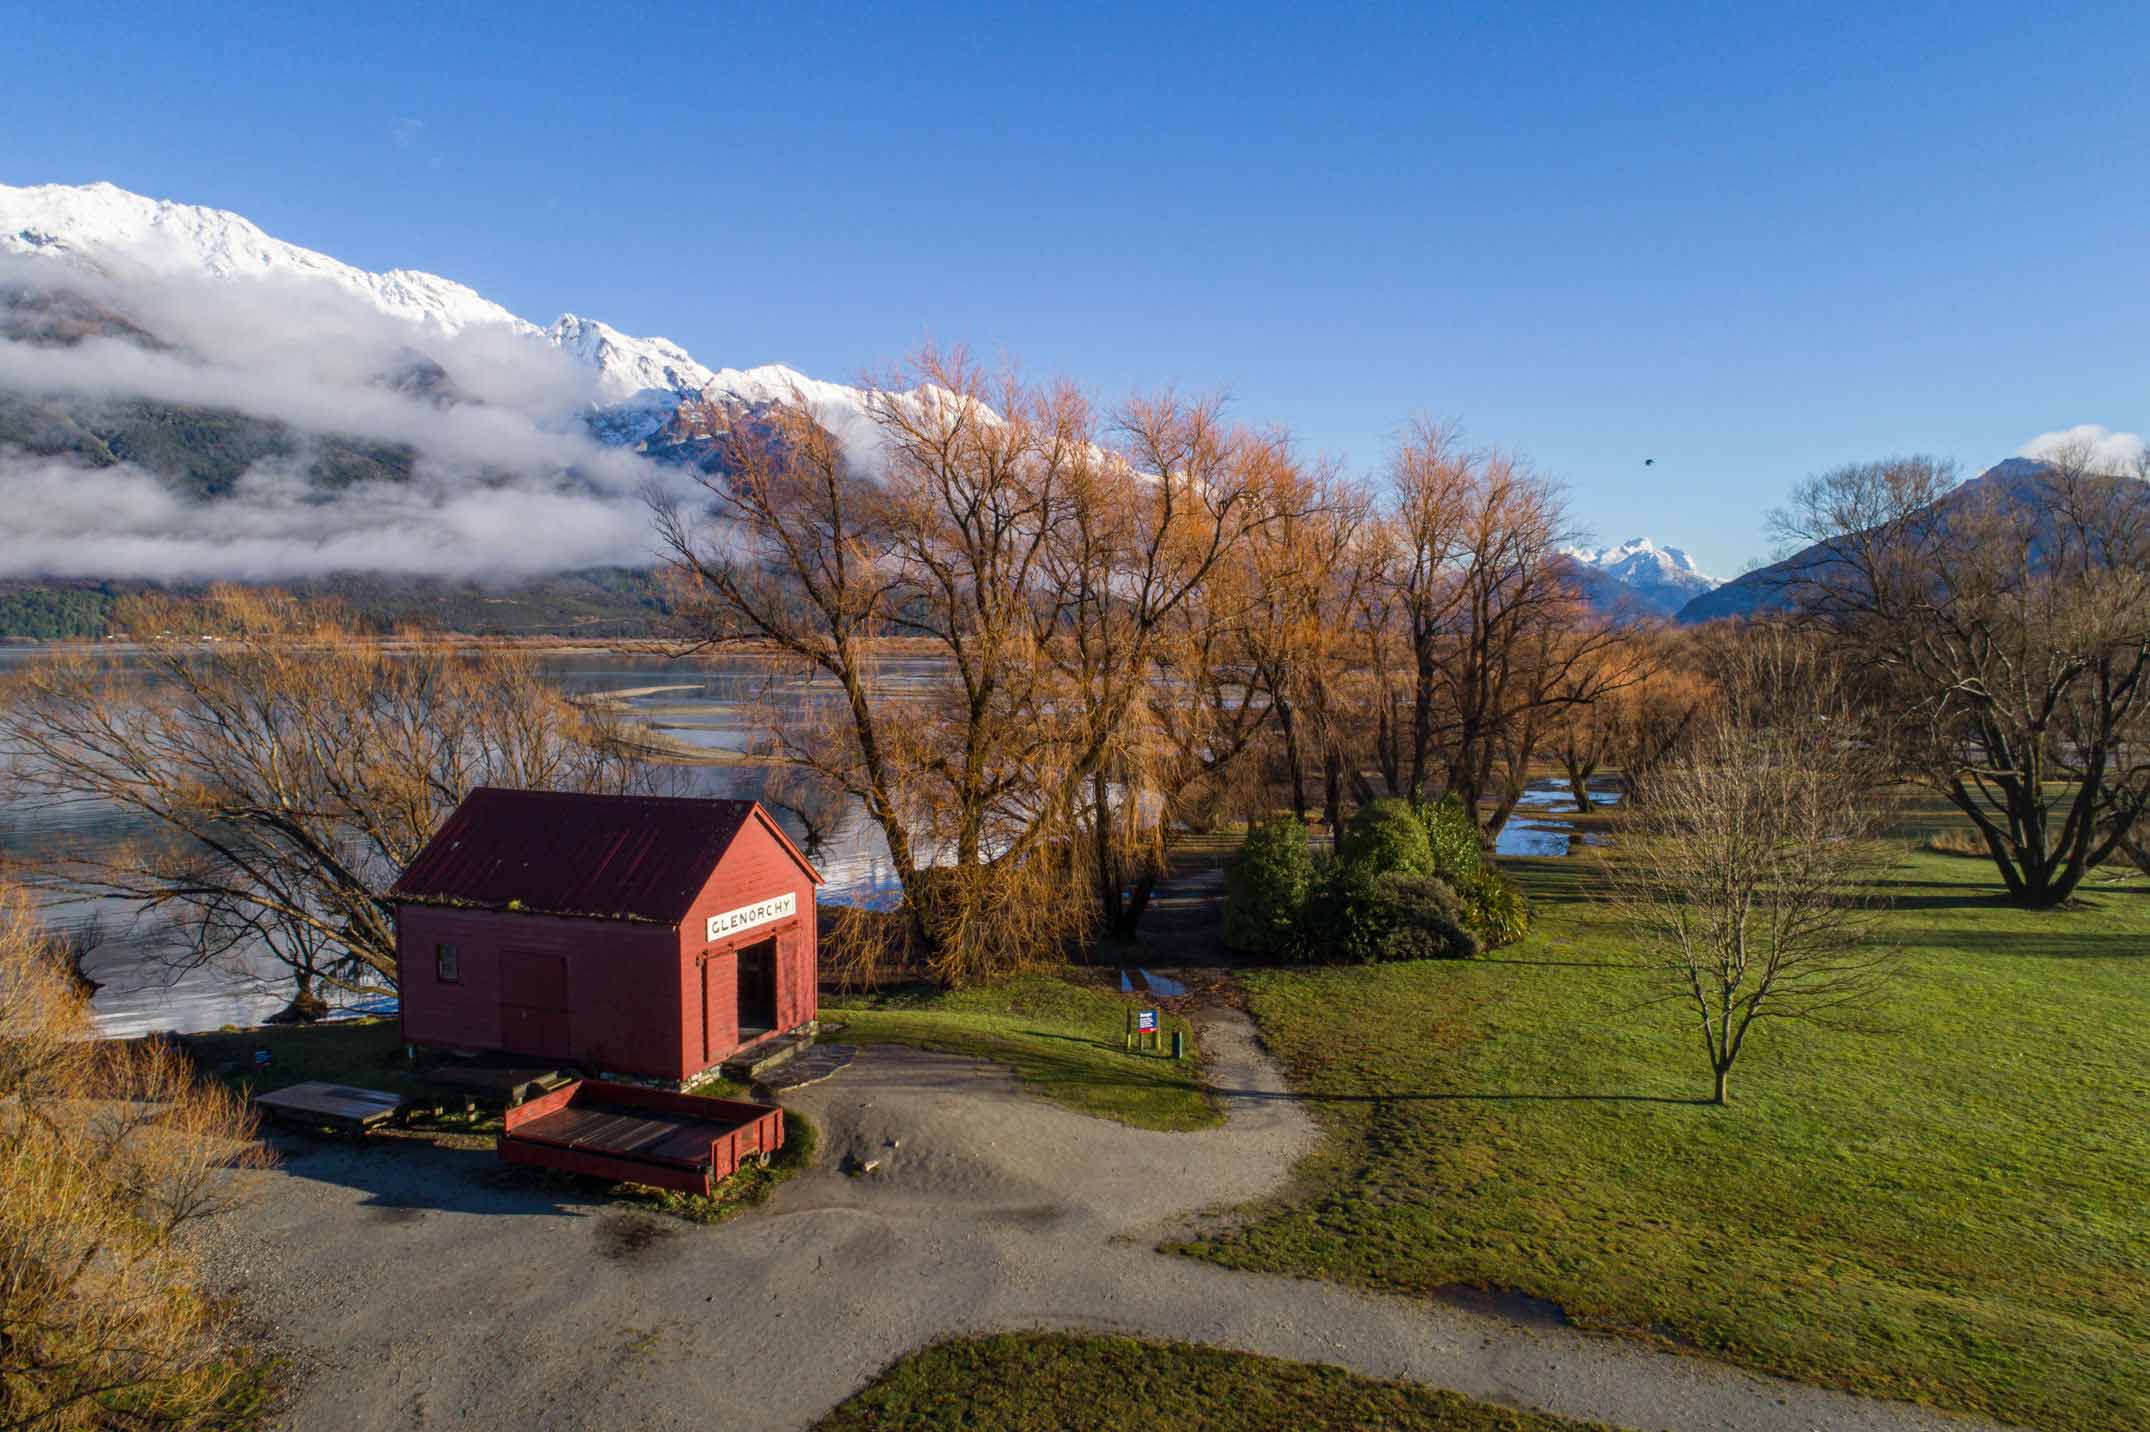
point(429, 1291)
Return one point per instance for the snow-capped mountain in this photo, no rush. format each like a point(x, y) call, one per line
point(1661, 579)
point(639, 382)
point(104, 227)
point(185, 398)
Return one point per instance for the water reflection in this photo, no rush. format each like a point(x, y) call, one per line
point(1534, 830)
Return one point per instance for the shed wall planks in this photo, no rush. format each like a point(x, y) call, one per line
point(640, 998)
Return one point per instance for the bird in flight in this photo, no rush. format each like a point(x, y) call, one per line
point(1649, 462)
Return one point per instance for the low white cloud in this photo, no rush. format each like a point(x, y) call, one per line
point(2108, 450)
point(67, 521)
point(507, 481)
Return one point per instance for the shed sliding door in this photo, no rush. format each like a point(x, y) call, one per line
point(533, 1003)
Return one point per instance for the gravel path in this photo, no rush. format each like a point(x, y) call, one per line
point(426, 1290)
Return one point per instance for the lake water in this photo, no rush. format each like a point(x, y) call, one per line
point(706, 703)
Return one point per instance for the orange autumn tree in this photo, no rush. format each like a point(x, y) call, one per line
point(1648, 691)
point(111, 1154)
point(285, 766)
point(1034, 562)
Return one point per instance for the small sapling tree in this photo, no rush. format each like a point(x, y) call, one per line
point(1748, 878)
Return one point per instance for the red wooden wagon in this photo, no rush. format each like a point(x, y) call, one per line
point(630, 1134)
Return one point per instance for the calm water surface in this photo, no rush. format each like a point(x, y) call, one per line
point(1539, 824)
point(707, 703)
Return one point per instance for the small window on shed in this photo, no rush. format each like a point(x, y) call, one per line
point(444, 968)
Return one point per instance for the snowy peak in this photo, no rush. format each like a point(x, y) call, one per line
point(1641, 555)
point(1662, 579)
point(102, 226)
point(628, 365)
point(640, 381)
point(1639, 558)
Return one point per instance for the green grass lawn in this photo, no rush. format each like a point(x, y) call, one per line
point(1063, 1036)
point(1029, 1382)
point(1956, 1211)
point(364, 1052)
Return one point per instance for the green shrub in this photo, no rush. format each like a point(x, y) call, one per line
point(1266, 888)
point(1494, 909)
point(1345, 923)
point(1358, 917)
point(1452, 837)
point(1410, 881)
point(1426, 919)
point(1386, 837)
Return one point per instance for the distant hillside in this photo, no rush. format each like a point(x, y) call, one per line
point(1770, 588)
point(598, 602)
point(198, 452)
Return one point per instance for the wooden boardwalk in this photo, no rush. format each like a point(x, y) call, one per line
point(342, 1106)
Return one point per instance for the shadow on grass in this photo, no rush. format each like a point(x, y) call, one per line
point(2032, 945)
point(1556, 880)
point(1486, 1096)
point(1958, 901)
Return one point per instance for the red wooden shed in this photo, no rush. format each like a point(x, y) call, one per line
point(645, 935)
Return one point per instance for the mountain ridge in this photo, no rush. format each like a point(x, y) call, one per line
point(1660, 580)
point(1769, 588)
point(640, 379)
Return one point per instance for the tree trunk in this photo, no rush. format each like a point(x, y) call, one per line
point(306, 1006)
point(2037, 878)
point(1332, 786)
point(1289, 720)
point(1130, 918)
point(1724, 1091)
point(1107, 852)
point(1579, 774)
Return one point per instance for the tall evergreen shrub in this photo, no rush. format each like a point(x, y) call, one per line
point(1267, 886)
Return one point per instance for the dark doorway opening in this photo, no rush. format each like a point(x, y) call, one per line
point(757, 990)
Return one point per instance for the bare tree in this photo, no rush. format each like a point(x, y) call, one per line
point(1037, 564)
point(1488, 613)
point(1309, 570)
point(2005, 628)
point(1749, 876)
point(1521, 646)
point(287, 768)
point(1634, 707)
point(1586, 731)
point(109, 1156)
point(1431, 478)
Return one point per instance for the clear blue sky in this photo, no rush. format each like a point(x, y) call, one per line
point(1749, 242)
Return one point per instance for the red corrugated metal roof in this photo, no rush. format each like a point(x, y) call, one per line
point(562, 853)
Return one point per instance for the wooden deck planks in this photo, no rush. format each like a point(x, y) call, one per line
point(341, 1105)
point(641, 1134)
